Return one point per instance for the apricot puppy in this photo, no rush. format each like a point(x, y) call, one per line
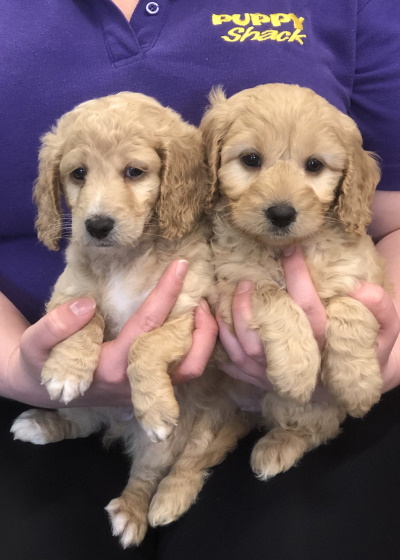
point(291, 170)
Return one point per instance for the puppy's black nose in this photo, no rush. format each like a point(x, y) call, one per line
point(99, 226)
point(281, 215)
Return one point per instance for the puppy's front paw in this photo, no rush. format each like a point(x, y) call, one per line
point(128, 521)
point(350, 368)
point(68, 372)
point(356, 399)
point(293, 367)
point(159, 420)
point(65, 390)
point(356, 384)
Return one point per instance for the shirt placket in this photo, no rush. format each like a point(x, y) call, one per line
point(129, 41)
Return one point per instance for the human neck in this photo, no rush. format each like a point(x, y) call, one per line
point(127, 7)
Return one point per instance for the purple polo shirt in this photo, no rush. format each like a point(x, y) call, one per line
point(55, 54)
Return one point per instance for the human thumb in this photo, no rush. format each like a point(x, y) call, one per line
point(54, 327)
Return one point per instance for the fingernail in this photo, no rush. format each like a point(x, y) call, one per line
point(288, 251)
point(204, 305)
point(82, 306)
point(181, 269)
point(244, 287)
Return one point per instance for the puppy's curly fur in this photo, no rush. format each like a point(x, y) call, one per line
point(291, 170)
point(133, 174)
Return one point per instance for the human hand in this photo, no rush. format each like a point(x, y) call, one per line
point(110, 380)
point(246, 351)
point(379, 302)
point(29, 346)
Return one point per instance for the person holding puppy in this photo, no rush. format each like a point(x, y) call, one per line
point(58, 54)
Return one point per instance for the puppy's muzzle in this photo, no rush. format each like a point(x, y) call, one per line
point(99, 226)
point(280, 215)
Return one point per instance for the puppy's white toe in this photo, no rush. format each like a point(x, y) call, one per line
point(161, 513)
point(274, 454)
point(66, 391)
point(159, 422)
point(127, 523)
point(158, 434)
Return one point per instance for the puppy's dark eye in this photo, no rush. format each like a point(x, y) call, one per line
point(133, 172)
point(252, 160)
point(79, 173)
point(313, 165)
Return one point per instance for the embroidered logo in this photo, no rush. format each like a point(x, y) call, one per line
point(261, 27)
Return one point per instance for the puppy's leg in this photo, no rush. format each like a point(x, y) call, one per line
point(45, 426)
point(296, 429)
point(128, 513)
point(293, 356)
point(206, 448)
point(150, 358)
point(68, 372)
point(350, 368)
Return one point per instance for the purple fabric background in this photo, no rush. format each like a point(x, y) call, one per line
point(55, 54)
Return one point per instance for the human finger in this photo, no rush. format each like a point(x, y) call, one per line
point(203, 342)
point(54, 327)
point(242, 313)
point(236, 353)
point(381, 305)
point(301, 289)
point(240, 374)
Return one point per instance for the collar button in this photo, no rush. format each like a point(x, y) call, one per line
point(152, 8)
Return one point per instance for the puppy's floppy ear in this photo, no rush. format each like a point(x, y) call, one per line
point(47, 192)
point(183, 193)
point(214, 125)
point(361, 176)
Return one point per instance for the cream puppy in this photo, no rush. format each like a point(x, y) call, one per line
point(133, 174)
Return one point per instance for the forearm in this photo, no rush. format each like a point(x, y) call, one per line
point(14, 383)
point(12, 326)
point(385, 230)
point(389, 248)
point(386, 214)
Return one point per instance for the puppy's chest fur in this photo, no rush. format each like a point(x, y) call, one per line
point(121, 279)
point(122, 293)
point(335, 259)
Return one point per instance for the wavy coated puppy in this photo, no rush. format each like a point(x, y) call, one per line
point(291, 170)
point(133, 174)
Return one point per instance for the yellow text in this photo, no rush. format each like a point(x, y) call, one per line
point(241, 34)
point(276, 20)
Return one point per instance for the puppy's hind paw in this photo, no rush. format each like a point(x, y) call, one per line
point(159, 423)
point(127, 522)
point(25, 428)
point(38, 427)
point(273, 455)
point(167, 506)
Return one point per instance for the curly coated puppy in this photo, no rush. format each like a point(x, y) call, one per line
point(291, 170)
point(133, 174)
